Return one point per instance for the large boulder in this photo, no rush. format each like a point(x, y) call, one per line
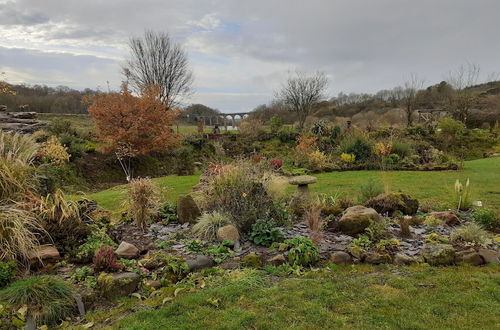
point(470, 257)
point(355, 220)
point(127, 251)
point(187, 210)
point(448, 217)
point(228, 233)
point(489, 256)
point(393, 202)
point(118, 285)
point(438, 254)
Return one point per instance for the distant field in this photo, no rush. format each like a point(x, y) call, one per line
point(433, 187)
point(84, 122)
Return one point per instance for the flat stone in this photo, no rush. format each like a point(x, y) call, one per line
point(118, 285)
point(46, 253)
point(200, 262)
point(277, 260)
point(302, 180)
point(470, 257)
point(341, 258)
point(402, 259)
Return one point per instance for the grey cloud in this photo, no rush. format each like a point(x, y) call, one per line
point(11, 14)
point(364, 45)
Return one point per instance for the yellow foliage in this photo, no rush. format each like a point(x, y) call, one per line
point(382, 149)
point(317, 160)
point(55, 151)
point(348, 158)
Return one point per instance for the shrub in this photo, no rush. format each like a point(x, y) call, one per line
point(276, 163)
point(320, 128)
point(401, 148)
point(317, 161)
point(470, 233)
point(7, 272)
point(451, 127)
point(265, 233)
point(370, 189)
point(48, 299)
point(486, 218)
point(302, 251)
point(184, 162)
point(239, 191)
point(142, 201)
point(209, 223)
point(168, 213)
point(276, 123)
point(105, 260)
point(358, 145)
point(287, 135)
point(17, 234)
point(348, 158)
point(55, 152)
point(61, 126)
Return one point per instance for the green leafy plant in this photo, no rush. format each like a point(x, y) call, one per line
point(209, 223)
point(377, 230)
point(220, 252)
point(470, 234)
point(265, 233)
point(97, 238)
point(174, 268)
point(195, 246)
point(388, 245)
point(7, 272)
point(165, 244)
point(85, 276)
point(302, 251)
point(360, 245)
point(48, 299)
point(168, 213)
point(486, 218)
point(435, 238)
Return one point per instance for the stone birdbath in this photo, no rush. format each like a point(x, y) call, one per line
point(302, 182)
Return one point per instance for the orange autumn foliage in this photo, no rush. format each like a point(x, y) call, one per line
point(140, 124)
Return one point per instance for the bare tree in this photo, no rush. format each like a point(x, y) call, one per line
point(156, 59)
point(301, 92)
point(409, 96)
point(464, 97)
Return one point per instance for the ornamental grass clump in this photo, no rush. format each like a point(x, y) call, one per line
point(209, 223)
point(462, 193)
point(16, 147)
point(18, 240)
point(48, 299)
point(470, 234)
point(143, 201)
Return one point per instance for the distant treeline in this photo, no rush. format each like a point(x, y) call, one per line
point(40, 98)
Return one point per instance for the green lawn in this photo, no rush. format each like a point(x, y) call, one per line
point(357, 297)
point(436, 187)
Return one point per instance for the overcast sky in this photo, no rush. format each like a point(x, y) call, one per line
point(240, 51)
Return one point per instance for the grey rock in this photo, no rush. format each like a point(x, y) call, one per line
point(200, 262)
point(356, 219)
point(118, 285)
point(402, 259)
point(438, 254)
point(187, 210)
